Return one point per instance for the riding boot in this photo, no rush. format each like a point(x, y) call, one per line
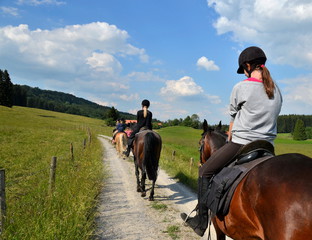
point(199, 223)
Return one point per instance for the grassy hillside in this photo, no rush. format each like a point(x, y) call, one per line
point(184, 141)
point(29, 138)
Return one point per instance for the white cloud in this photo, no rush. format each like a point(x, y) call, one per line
point(185, 86)
point(297, 95)
point(145, 77)
point(86, 53)
point(209, 65)
point(103, 62)
point(281, 27)
point(10, 11)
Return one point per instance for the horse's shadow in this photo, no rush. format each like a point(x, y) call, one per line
point(179, 193)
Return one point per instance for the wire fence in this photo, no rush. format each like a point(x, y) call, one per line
point(4, 184)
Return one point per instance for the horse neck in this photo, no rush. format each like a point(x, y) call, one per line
point(215, 140)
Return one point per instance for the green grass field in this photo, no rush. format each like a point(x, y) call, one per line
point(29, 138)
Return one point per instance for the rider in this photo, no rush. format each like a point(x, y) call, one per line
point(121, 126)
point(144, 119)
point(255, 104)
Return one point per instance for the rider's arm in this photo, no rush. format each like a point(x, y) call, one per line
point(230, 131)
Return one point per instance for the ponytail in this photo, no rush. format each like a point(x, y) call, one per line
point(144, 111)
point(267, 80)
point(268, 83)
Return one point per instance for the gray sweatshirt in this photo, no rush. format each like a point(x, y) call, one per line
point(253, 113)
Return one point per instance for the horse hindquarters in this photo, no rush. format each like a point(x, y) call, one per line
point(273, 202)
point(152, 146)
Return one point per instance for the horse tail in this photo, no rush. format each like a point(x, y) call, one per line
point(124, 140)
point(150, 153)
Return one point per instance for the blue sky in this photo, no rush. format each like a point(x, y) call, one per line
point(180, 54)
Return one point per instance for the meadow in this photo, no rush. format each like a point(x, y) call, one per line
point(29, 138)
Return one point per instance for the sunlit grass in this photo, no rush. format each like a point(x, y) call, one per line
point(29, 138)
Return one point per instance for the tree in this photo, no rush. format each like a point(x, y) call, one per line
point(113, 114)
point(6, 89)
point(299, 131)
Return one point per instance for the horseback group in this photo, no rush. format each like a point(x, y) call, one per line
point(243, 188)
point(145, 145)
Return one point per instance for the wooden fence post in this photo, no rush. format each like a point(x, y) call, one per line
point(2, 199)
point(173, 154)
point(72, 151)
point(84, 143)
point(191, 163)
point(89, 134)
point(52, 174)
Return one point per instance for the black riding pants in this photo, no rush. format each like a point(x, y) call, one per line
point(219, 159)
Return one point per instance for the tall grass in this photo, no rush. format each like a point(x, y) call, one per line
point(184, 141)
point(28, 140)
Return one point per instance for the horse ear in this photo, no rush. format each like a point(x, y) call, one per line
point(219, 126)
point(205, 126)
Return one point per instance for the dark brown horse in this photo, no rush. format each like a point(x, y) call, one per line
point(272, 202)
point(146, 150)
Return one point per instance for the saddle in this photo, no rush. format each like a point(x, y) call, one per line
point(223, 184)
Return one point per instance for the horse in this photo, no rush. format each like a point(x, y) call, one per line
point(146, 151)
point(121, 143)
point(272, 202)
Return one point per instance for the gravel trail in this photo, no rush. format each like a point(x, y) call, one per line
point(124, 214)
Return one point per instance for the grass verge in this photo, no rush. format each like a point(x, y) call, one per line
point(29, 138)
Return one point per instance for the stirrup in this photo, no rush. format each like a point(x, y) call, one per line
point(188, 215)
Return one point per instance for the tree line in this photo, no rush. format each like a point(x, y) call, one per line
point(25, 96)
point(22, 95)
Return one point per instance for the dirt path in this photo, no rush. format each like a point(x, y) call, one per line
point(124, 214)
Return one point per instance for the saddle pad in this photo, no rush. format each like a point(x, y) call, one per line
point(224, 184)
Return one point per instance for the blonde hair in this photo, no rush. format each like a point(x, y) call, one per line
point(144, 111)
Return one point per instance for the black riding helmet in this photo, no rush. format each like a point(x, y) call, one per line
point(146, 103)
point(250, 55)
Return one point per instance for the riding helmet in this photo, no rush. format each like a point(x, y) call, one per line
point(146, 103)
point(250, 55)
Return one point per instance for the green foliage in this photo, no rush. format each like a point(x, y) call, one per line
point(299, 131)
point(286, 123)
point(60, 102)
point(31, 137)
point(6, 89)
point(112, 113)
point(309, 132)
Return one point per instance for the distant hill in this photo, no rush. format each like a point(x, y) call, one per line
point(60, 102)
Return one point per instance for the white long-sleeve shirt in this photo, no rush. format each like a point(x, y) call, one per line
point(253, 114)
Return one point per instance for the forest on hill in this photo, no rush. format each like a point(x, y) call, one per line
point(61, 102)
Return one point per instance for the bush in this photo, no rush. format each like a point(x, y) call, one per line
point(299, 131)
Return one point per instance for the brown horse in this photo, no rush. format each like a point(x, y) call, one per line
point(121, 143)
point(146, 150)
point(272, 202)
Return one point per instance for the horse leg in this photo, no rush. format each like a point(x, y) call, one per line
point(137, 174)
point(143, 194)
point(151, 197)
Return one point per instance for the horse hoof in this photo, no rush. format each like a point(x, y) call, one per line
point(143, 194)
point(139, 189)
point(151, 198)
